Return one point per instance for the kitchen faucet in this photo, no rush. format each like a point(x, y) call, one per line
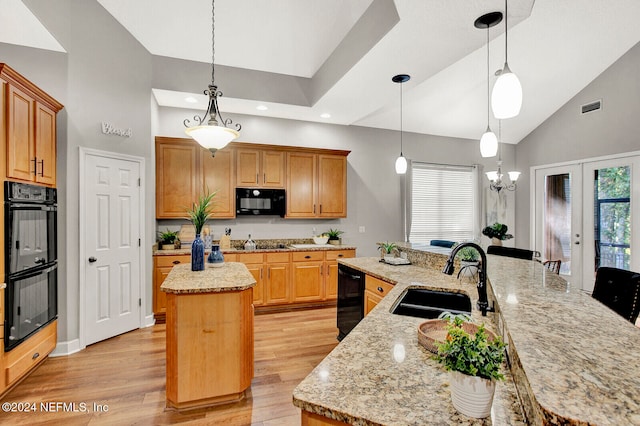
point(483, 302)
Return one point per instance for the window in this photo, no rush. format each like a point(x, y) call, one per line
point(443, 202)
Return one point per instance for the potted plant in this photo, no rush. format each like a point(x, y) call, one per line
point(199, 213)
point(334, 236)
point(468, 257)
point(474, 360)
point(168, 239)
point(387, 249)
point(497, 232)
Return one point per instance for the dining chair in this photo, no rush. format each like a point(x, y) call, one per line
point(553, 265)
point(619, 290)
point(511, 252)
point(442, 243)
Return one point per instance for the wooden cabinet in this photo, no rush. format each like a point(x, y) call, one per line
point(29, 128)
point(316, 185)
point(217, 175)
point(307, 276)
point(255, 264)
point(260, 168)
point(277, 283)
point(331, 268)
point(374, 290)
point(162, 265)
point(177, 176)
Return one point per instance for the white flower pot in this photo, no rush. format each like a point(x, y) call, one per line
point(468, 269)
point(470, 395)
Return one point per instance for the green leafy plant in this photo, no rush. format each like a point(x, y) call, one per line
point(497, 230)
point(387, 247)
point(168, 237)
point(473, 355)
point(334, 234)
point(201, 211)
point(468, 254)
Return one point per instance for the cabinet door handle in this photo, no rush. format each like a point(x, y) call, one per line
point(175, 262)
point(35, 165)
point(307, 257)
point(264, 178)
point(380, 289)
point(320, 208)
point(340, 255)
point(35, 355)
point(314, 209)
point(260, 273)
point(256, 177)
point(42, 168)
point(268, 273)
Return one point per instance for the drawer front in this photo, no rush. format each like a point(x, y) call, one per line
point(305, 256)
point(340, 254)
point(230, 257)
point(277, 257)
point(377, 286)
point(28, 354)
point(162, 261)
point(251, 257)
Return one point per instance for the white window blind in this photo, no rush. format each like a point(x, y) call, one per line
point(443, 200)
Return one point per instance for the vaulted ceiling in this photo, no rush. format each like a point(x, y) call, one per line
point(337, 57)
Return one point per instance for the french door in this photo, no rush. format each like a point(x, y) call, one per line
point(584, 216)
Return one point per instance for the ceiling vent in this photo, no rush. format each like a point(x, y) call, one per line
point(591, 106)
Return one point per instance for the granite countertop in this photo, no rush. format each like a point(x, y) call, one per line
point(380, 375)
point(574, 361)
point(317, 247)
point(231, 276)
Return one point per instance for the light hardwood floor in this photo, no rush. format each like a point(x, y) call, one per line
point(127, 375)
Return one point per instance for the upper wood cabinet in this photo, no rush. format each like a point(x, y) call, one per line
point(260, 168)
point(316, 185)
point(29, 129)
point(177, 176)
point(217, 175)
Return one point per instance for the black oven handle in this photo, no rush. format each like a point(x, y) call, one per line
point(43, 207)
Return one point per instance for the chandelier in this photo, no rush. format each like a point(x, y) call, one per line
point(495, 176)
point(212, 133)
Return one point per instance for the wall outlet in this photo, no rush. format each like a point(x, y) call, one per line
point(361, 229)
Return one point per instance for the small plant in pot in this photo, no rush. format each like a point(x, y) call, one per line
point(167, 239)
point(497, 232)
point(387, 249)
point(474, 360)
point(334, 236)
point(468, 257)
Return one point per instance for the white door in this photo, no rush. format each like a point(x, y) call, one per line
point(611, 192)
point(558, 223)
point(110, 229)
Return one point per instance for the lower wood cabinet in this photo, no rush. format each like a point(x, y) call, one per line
point(282, 278)
point(162, 265)
point(374, 290)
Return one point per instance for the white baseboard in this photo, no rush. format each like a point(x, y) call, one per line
point(149, 320)
point(66, 348)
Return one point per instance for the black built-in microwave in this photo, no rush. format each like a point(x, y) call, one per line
point(260, 202)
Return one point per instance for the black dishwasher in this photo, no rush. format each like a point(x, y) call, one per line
point(350, 299)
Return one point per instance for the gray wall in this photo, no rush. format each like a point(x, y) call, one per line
point(568, 135)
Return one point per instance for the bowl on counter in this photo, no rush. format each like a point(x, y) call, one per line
point(320, 240)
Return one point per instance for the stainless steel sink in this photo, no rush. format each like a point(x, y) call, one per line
point(425, 303)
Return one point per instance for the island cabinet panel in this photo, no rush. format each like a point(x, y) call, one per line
point(209, 348)
point(217, 175)
point(255, 264)
point(162, 267)
point(28, 128)
point(312, 419)
point(260, 168)
point(374, 290)
point(178, 182)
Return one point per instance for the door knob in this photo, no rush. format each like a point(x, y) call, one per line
point(92, 259)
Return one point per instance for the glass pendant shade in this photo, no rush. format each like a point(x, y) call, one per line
point(506, 97)
point(216, 137)
point(488, 144)
point(401, 165)
point(514, 176)
point(492, 176)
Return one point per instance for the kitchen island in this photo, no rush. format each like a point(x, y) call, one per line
point(571, 357)
point(209, 335)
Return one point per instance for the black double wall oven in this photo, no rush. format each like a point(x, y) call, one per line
point(31, 260)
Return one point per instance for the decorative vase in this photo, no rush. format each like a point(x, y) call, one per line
point(197, 254)
point(471, 395)
point(167, 246)
point(496, 241)
point(215, 259)
point(468, 269)
point(335, 242)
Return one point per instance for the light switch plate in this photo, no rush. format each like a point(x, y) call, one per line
point(361, 229)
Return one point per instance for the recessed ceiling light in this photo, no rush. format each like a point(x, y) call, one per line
point(262, 108)
point(325, 115)
point(191, 100)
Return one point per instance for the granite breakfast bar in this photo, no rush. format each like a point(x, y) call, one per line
point(379, 375)
point(209, 335)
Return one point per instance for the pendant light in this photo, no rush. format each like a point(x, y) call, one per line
point(213, 135)
point(506, 98)
point(489, 141)
point(401, 162)
point(495, 177)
